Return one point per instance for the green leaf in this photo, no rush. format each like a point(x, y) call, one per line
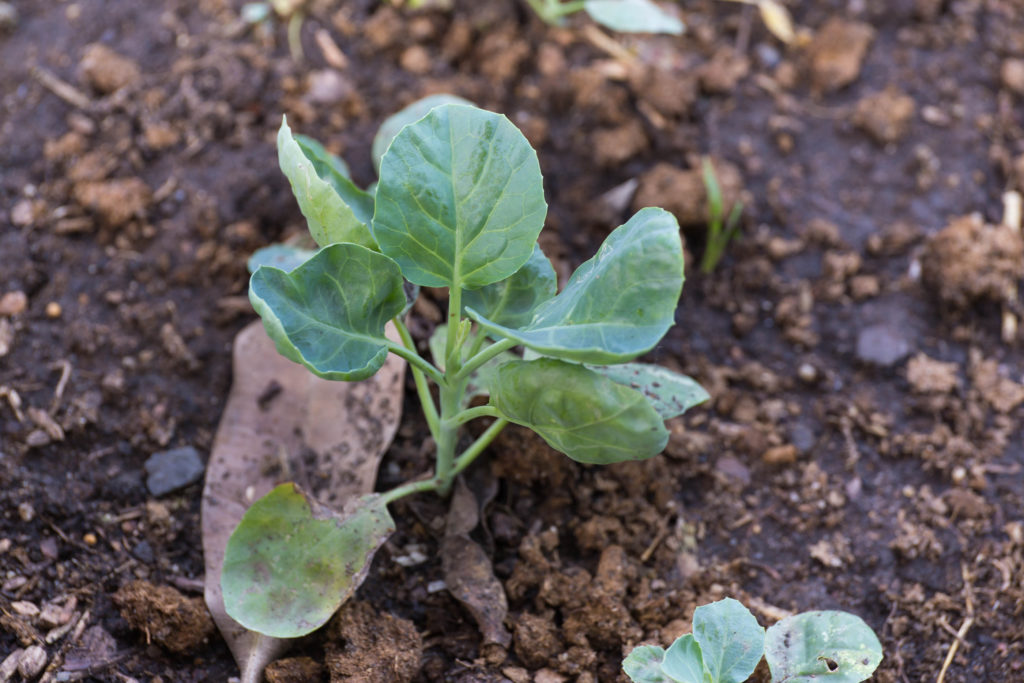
point(684, 662)
point(410, 114)
point(578, 412)
point(325, 163)
point(633, 16)
point(812, 647)
point(643, 665)
point(329, 313)
point(335, 209)
point(512, 301)
point(670, 393)
point(618, 304)
point(460, 201)
point(482, 379)
point(291, 562)
point(283, 256)
point(730, 639)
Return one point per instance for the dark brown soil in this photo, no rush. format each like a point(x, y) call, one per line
point(862, 450)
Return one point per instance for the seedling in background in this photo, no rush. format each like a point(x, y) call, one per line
point(260, 14)
point(720, 232)
point(626, 16)
point(727, 643)
point(459, 204)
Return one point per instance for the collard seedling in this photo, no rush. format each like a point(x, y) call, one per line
point(459, 204)
point(727, 643)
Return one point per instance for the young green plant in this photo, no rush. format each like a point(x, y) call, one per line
point(459, 204)
point(727, 643)
point(626, 16)
point(721, 229)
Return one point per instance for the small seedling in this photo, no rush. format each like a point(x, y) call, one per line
point(727, 643)
point(626, 16)
point(459, 204)
point(720, 232)
point(260, 13)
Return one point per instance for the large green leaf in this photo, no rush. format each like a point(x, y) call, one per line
point(335, 209)
point(643, 665)
point(410, 114)
point(512, 301)
point(615, 306)
point(329, 313)
point(684, 662)
point(669, 392)
point(730, 639)
point(633, 16)
point(816, 647)
point(291, 562)
point(460, 200)
point(578, 412)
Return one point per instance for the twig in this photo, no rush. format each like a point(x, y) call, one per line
point(58, 393)
point(61, 88)
point(1012, 219)
point(964, 628)
point(603, 41)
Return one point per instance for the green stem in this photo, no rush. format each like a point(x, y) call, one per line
point(478, 446)
point(482, 357)
point(452, 351)
point(473, 413)
point(295, 36)
point(448, 433)
point(416, 361)
point(566, 8)
point(478, 342)
point(409, 488)
point(426, 400)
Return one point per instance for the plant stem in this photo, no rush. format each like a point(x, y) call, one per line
point(447, 433)
point(482, 357)
point(416, 361)
point(452, 351)
point(473, 413)
point(409, 488)
point(478, 446)
point(426, 400)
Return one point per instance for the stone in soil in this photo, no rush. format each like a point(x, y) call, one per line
point(174, 469)
point(837, 53)
point(883, 345)
point(115, 201)
point(969, 260)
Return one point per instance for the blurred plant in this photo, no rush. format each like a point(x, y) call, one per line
point(727, 643)
point(777, 20)
point(259, 14)
point(627, 16)
point(721, 229)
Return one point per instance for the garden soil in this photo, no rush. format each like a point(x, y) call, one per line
point(862, 449)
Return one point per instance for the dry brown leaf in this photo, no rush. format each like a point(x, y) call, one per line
point(282, 423)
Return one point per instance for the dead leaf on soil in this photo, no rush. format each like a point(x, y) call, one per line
point(282, 423)
point(468, 571)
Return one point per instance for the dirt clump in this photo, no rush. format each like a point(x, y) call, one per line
point(613, 146)
point(372, 647)
point(968, 261)
point(294, 670)
point(1011, 74)
point(536, 639)
point(837, 52)
point(115, 202)
point(885, 115)
point(683, 193)
point(929, 376)
point(105, 70)
point(724, 71)
point(167, 617)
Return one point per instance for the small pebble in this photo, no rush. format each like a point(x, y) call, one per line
point(53, 310)
point(13, 303)
point(89, 538)
point(174, 469)
point(8, 17)
point(882, 345)
point(32, 662)
point(807, 373)
point(26, 512)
